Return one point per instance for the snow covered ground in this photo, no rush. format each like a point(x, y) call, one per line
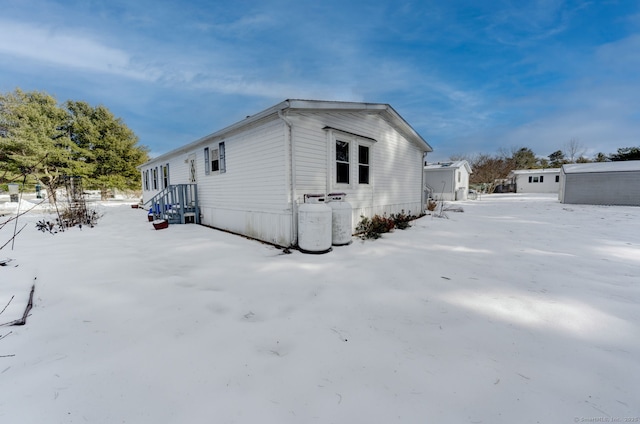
point(518, 310)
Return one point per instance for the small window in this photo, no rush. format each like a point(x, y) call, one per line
point(155, 178)
point(541, 178)
point(363, 165)
point(207, 165)
point(557, 178)
point(146, 180)
point(530, 179)
point(342, 162)
point(165, 176)
point(535, 179)
point(215, 161)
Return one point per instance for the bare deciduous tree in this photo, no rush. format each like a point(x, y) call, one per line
point(488, 170)
point(573, 149)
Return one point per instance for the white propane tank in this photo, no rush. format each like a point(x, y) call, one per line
point(314, 224)
point(341, 219)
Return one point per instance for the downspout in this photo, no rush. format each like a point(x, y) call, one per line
point(292, 176)
point(454, 184)
point(423, 185)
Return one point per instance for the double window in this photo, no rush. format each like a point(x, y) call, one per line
point(539, 179)
point(156, 178)
point(350, 152)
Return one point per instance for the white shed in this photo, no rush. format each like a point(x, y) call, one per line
point(447, 180)
point(250, 178)
point(601, 183)
point(545, 180)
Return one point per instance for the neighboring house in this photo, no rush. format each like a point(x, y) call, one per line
point(545, 180)
point(447, 180)
point(601, 183)
point(250, 178)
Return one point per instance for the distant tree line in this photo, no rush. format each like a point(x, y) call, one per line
point(42, 142)
point(489, 169)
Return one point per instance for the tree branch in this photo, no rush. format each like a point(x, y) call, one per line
point(23, 320)
point(7, 305)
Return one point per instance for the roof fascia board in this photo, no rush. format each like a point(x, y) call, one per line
point(220, 133)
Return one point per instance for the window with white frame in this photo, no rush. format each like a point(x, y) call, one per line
point(216, 158)
point(342, 162)
point(363, 164)
point(351, 156)
point(154, 172)
point(165, 176)
point(146, 179)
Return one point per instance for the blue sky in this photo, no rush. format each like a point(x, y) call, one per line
point(470, 76)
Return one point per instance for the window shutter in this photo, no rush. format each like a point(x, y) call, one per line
point(223, 163)
point(207, 165)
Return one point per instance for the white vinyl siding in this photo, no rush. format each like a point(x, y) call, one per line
point(252, 197)
point(537, 181)
point(270, 166)
point(395, 164)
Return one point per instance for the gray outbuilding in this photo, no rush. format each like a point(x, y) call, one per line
point(447, 180)
point(601, 183)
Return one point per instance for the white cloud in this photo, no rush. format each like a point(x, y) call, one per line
point(65, 49)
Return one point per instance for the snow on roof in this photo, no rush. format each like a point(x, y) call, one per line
point(445, 165)
point(620, 166)
point(536, 171)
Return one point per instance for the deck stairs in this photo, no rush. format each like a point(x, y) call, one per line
point(177, 203)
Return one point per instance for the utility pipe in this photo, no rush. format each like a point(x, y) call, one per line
point(292, 170)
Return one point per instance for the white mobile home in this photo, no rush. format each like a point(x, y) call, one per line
point(447, 180)
point(250, 177)
point(601, 183)
point(545, 180)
